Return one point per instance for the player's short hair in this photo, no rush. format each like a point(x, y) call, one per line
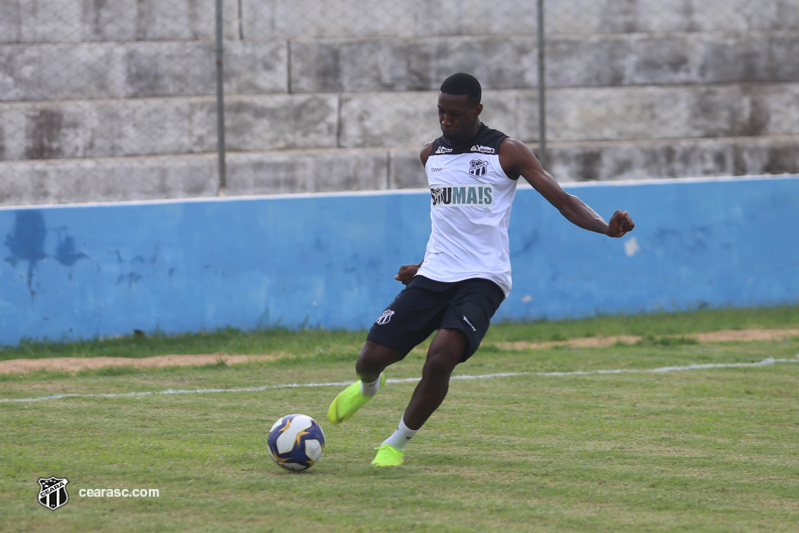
point(462, 83)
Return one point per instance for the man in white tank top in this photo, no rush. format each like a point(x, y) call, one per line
point(471, 198)
point(472, 173)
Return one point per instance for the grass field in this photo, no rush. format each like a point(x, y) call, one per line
point(665, 434)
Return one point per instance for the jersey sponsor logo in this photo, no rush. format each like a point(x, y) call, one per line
point(442, 150)
point(463, 195)
point(478, 167)
point(385, 318)
point(435, 169)
point(483, 149)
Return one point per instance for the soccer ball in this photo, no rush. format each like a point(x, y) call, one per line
point(296, 442)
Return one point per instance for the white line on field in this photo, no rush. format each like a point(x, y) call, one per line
point(764, 362)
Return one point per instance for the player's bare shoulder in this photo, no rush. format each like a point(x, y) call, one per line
point(426, 150)
point(512, 148)
point(514, 155)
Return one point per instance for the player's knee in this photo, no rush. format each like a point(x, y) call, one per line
point(373, 359)
point(445, 352)
point(440, 364)
point(367, 364)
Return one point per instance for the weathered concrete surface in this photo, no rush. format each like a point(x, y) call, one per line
point(139, 70)
point(615, 114)
point(648, 16)
point(161, 126)
point(38, 21)
point(332, 95)
point(412, 64)
point(335, 170)
point(740, 156)
point(422, 18)
point(293, 171)
point(682, 112)
point(107, 180)
point(51, 21)
point(573, 61)
point(613, 161)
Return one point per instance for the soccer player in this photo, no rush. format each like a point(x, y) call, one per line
point(472, 171)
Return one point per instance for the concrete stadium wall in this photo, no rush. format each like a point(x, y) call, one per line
point(78, 272)
point(42, 21)
point(115, 101)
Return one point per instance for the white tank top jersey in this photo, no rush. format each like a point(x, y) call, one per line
point(471, 199)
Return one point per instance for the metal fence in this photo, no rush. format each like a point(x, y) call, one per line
point(133, 99)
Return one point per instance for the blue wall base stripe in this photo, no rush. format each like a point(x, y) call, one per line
point(87, 271)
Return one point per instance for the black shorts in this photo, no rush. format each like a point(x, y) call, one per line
point(425, 306)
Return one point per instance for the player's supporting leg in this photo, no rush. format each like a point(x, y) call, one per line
point(372, 360)
point(444, 354)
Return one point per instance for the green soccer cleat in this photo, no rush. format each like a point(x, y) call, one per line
point(349, 401)
point(388, 455)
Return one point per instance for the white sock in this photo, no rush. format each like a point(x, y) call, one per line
point(370, 388)
point(401, 437)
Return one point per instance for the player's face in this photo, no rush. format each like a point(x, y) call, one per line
point(457, 117)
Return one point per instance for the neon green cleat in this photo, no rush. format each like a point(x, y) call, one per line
point(349, 401)
point(388, 455)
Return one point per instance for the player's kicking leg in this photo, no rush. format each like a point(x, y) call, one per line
point(372, 360)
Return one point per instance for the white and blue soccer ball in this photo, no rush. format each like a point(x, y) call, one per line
point(296, 442)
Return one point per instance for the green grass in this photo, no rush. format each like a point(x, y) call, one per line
point(229, 340)
point(309, 341)
point(709, 449)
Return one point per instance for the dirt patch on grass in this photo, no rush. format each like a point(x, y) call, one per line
point(76, 364)
point(730, 335)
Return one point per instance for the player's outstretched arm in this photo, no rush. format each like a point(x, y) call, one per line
point(517, 160)
point(620, 223)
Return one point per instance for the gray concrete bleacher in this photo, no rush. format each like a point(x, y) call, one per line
point(125, 108)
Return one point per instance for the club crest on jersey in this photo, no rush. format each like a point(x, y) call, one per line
point(478, 167)
point(462, 195)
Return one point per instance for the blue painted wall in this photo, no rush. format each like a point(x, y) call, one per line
point(73, 272)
